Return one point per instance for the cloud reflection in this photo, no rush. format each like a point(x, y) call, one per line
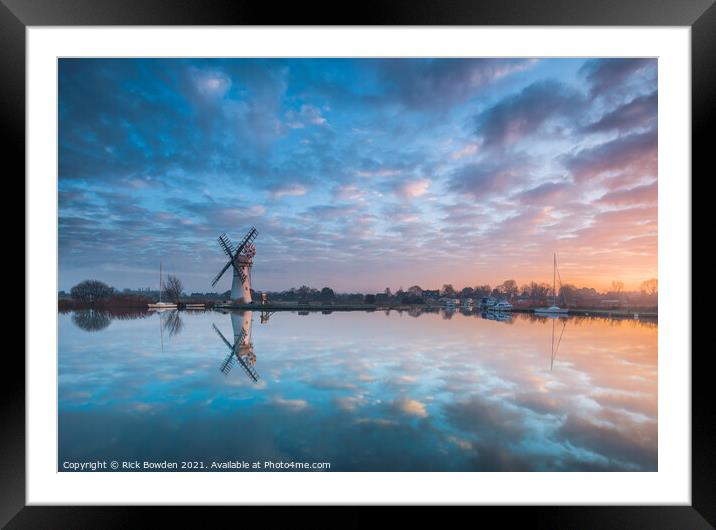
point(368, 392)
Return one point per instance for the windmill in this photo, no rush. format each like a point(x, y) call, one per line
point(241, 259)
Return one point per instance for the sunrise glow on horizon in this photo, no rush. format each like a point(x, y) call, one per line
point(359, 174)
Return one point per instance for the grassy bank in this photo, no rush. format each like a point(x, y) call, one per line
point(134, 302)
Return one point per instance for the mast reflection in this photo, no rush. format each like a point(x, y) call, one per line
point(555, 348)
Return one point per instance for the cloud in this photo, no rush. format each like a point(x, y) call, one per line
point(290, 404)
point(348, 192)
point(526, 112)
point(307, 115)
point(646, 194)
point(488, 177)
point(633, 154)
point(442, 83)
point(605, 75)
point(546, 193)
point(411, 407)
point(413, 189)
point(289, 190)
point(469, 150)
point(211, 84)
point(639, 112)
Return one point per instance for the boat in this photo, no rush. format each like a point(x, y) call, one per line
point(161, 306)
point(502, 305)
point(487, 302)
point(554, 309)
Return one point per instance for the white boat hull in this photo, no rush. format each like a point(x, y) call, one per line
point(551, 310)
point(161, 305)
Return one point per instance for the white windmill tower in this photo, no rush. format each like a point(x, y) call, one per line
point(241, 259)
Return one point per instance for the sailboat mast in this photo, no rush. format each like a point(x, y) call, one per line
point(554, 281)
point(160, 282)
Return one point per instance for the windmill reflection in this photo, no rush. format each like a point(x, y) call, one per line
point(265, 315)
point(241, 349)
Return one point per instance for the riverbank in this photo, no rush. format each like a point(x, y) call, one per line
point(141, 305)
point(288, 306)
point(134, 303)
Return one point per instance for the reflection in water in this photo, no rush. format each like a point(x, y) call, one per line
point(172, 322)
point(385, 391)
point(559, 340)
point(98, 319)
point(265, 315)
point(91, 319)
point(241, 349)
point(499, 316)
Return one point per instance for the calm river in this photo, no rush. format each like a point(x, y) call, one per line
point(361, 391)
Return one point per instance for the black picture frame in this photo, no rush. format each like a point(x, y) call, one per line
point(700, 15)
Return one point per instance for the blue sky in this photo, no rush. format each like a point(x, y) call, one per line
point(358, 173)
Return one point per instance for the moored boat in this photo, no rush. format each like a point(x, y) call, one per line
point(502, 305)
point(554, 309)
point(158, 306)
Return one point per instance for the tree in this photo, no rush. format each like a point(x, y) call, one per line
point(91, 291)
point(327, 294)
point(617, 288)
point(509, 287)
point(467, 292)
point(539, 291)
point(650, 287)
point(568, 293)
point(482, 290)
point(448, 290)
point(173, 288)
point(305, 292)
point(369, 299)
point(415, 291)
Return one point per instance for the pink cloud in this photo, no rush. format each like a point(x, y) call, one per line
point(646, 194)
point(413, 189)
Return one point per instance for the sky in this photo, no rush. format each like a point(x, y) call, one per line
point(359, 174)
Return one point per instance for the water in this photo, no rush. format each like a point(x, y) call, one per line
point(362, 391)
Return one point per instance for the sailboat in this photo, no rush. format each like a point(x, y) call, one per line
point(553, 309)
point(161, 305)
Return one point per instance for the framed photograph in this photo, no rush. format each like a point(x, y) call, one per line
point(411, 258)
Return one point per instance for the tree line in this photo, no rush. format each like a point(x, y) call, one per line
point(91, 293)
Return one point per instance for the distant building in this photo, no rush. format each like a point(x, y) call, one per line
point(382, 298)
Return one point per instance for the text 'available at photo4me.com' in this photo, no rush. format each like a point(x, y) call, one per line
point(167, 465)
